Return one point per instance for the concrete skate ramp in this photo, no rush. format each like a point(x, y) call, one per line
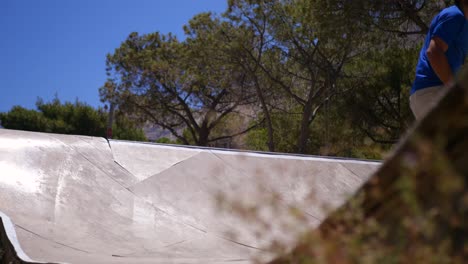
point(76, 199)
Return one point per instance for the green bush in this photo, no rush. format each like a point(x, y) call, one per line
point(69, 118)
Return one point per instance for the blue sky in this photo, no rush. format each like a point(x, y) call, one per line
point(50, 47)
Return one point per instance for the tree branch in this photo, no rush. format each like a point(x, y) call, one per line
point(240, 133)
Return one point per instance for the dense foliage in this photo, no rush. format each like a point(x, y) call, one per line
point(315, 77)
point(69, 118)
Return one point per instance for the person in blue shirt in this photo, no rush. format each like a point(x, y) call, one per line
point(441, 57)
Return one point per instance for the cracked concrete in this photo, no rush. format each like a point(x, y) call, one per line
point(88, 200)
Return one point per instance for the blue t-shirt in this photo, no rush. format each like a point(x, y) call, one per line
point(452, 27)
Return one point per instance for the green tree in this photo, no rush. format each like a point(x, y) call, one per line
point(69, 118)
point(24, 119)
point(317, 74)
point(300, 59)
point(387, 18)
point(126, 129)
point(180, 86)
point(348, 79)
point(379, 104)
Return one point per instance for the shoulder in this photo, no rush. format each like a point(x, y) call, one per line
point(451, 15)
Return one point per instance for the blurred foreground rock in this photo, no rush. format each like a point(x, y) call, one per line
point(414, 208)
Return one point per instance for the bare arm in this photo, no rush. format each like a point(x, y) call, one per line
point(439, 62)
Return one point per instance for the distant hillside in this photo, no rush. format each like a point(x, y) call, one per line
point(154, 132)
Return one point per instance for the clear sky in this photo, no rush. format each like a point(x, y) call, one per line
point(50, 47)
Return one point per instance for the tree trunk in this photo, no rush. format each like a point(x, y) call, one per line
point(271, 141)
point(203, 134)
point(304, 129)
